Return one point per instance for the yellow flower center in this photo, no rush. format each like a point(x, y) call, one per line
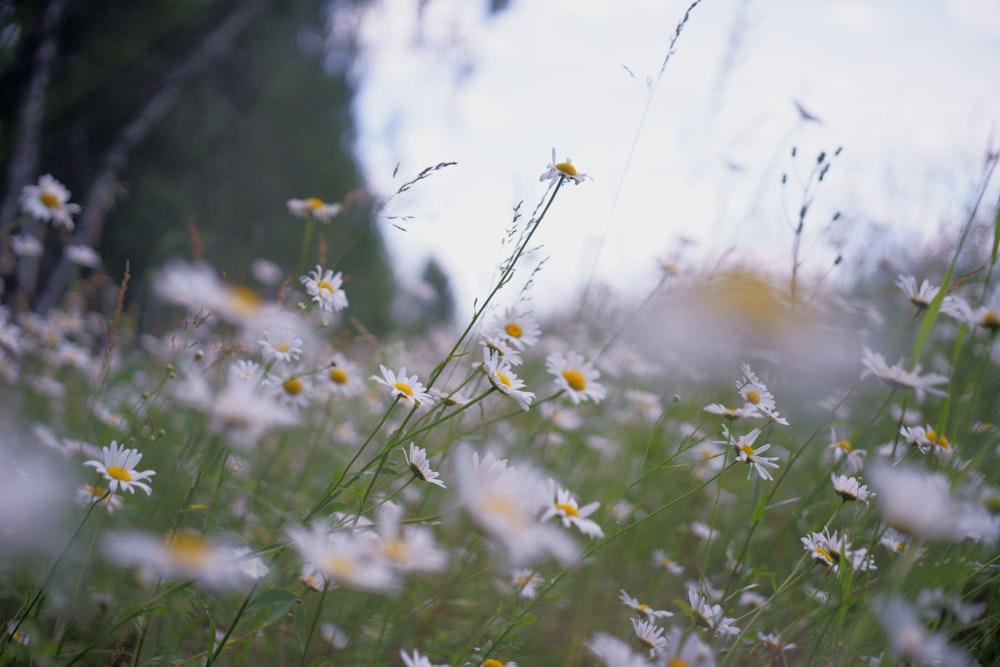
point(324, 286)
point(827, 556)
point(120, 473)
point(748, 450)
point(753, 397)
point(503, 378)
point(341, 566)
point(244, 299)
point(513, 330)
point(394, 549)
point(492, 663)
point(293, 387)
point(666, 561)
point(938, 440)
point(502, 506)
point(188, 549)
point(338, 375)
point(677, 662)
point(644, 607)
point(50, 200)
point(281, 347)
point(314, 203)
point(567, 509)
point(845, 445)
point(403, 388)
point(566, 168)
point(574, 379)
point(991, 320)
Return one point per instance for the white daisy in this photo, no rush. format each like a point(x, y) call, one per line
point(576, 376)
point(926, 439)
point(850, 488)
point(118, 468)
point(281, 345)
point(566, 508)
point(421, 467)
point(406, 388)
point(562, 171)
point(315, 207)
point(746, 453)
point(324, 288)
point(417, 660)
point(920, 297)
point(503, 379)
point(897, 376)
point(650, 635)
point(48, 200)
point(520, 329)
point(634, 603)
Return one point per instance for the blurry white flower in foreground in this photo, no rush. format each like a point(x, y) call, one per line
point(917, 502)
point(911, 640)
point(183, 555)
point(897, 376)
point(342, 558)
point(118, 467)
point(505, 502)
point(613, 652)
point(49, 200)
point(198, 288)
point(241, 411)
point(33, 498)
point(408, 548)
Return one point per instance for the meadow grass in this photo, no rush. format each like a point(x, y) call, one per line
point(725, 472)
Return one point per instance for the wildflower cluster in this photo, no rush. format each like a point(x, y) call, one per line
point(309, 489)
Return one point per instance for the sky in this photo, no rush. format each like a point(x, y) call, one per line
point(686, 164)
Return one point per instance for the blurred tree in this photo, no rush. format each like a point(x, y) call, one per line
point(182, 128)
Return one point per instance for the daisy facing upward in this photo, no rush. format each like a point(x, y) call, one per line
point(577, 377)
